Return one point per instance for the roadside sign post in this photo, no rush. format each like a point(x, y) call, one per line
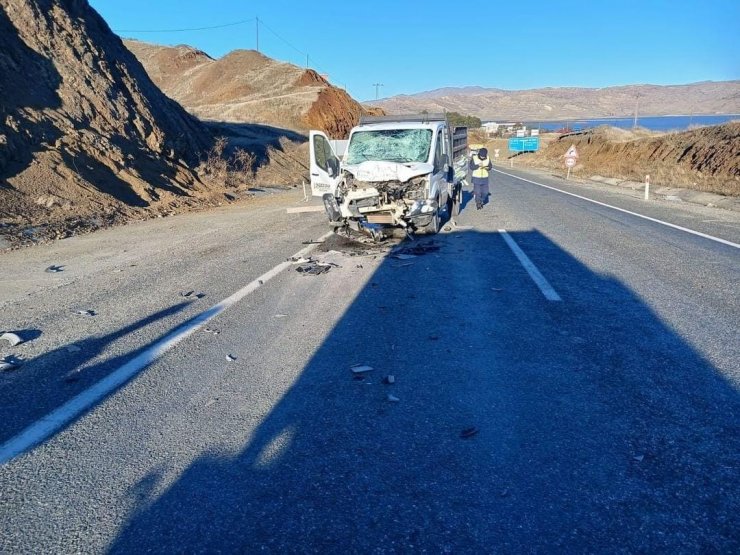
point(571, 158)
point(523, 144)
point(647, 187)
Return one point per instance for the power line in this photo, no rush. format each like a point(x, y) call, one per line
point(183, 30)
point(258, 22)
point(301, 52)
point(377, 88)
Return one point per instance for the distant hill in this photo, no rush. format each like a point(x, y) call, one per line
point(708, 97)
point(246, 86)
point(85, 136)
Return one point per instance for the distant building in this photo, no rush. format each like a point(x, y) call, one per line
point(491, 127)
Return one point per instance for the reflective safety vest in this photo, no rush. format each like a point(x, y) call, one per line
point(483, 165)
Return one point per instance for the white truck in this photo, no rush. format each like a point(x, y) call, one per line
point(400, 171)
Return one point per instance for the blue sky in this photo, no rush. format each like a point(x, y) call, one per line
point(416, 46)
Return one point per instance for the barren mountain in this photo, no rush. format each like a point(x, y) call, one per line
point(563, 103)
point(247, 87)
point(85, 136)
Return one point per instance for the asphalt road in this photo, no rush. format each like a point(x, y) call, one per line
point(605, 421)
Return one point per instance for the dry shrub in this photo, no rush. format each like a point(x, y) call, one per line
point(241, 170)
point(216, 165)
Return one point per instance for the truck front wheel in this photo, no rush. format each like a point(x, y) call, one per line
point(433, 226)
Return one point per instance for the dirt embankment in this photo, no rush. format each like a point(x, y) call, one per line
point(248, 87)
point(86, 138)
point(705, 159)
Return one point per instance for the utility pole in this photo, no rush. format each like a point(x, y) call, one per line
point(377, 88)
point(257, 23)
point(306, 61)
point(637, 106)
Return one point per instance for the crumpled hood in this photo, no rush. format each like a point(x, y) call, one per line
point(373, 170)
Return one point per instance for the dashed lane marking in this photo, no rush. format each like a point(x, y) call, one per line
point(539, 280)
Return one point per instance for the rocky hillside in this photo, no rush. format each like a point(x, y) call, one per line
point(247, 87)
point(571, 102)
point(85, 135)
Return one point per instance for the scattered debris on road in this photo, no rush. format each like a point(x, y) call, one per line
point(315, 268)
point(189, 294)
point(85, 312)
point(469, 432)
point(10, 362)
point(73, 348)
point(211, 330)
point(639, 458)
point(402, 256)
point(419, 249)
point(53, 269)
point(389, 379)
point(230, 358)
point(360, 368)
point(280, 315)
point(497, 289)
point(12, 338)
point(393, 398)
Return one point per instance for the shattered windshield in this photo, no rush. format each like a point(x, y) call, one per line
point(392, 145)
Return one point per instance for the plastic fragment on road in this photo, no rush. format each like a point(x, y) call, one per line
point(469, 432)
point(10, 363)
point(211, 330)
point(12, 338)
point(390, 379)
point(639, 458)
point(360, 368)
point(230, 358)
point(280, 315)
point(73, 349)
point(53, 269)
point(402, 256)
point(314, 268)
point(186, 293)
point(85, 312)
point(393, 398)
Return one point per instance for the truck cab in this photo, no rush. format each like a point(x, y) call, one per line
point(396, 171)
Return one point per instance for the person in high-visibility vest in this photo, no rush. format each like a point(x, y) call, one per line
point(481, 165)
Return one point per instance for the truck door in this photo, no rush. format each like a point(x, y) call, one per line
point(439, 185)
point(324, 164)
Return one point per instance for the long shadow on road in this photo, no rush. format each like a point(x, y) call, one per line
point(599, 428)
point(50, 380)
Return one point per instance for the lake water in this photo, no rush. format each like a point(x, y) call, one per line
point(654, 123)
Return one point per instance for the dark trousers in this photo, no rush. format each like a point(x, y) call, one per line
point(480, 189)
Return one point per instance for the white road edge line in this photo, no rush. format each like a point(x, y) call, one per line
point(674, 226)
point(539, 280)
point(49, 424)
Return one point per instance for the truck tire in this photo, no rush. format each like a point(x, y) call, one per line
point(433, 227)
point(457, 200)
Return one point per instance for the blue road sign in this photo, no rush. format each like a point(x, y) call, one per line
point(524, 144)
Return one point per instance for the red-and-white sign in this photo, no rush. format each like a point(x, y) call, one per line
point(572, 152)
point(570, 162)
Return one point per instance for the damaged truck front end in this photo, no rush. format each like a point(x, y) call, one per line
point(392, 174)
point(367, 194)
